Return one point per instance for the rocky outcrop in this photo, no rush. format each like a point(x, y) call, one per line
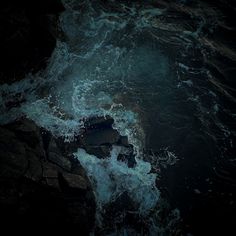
point(28, 36)
point(40, 183)
point(99, 136)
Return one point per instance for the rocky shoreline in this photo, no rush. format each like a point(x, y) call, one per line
point(41, 181)
point(41, 185)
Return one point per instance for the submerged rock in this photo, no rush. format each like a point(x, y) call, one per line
point(101, 151)
point(123, 141)
point(97, 122)
point(129, 159)
point(99, 136)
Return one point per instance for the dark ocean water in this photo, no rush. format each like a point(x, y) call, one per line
point(165, 71)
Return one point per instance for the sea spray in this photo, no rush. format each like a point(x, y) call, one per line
point(111, 178)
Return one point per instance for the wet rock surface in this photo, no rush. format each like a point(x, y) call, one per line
point(40, 184)
point(40, 178)
point(99, 136)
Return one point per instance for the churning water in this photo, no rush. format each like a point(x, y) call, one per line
point(147, 68)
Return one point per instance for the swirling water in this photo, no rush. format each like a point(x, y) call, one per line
point(149, 66)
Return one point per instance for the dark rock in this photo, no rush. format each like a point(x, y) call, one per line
point(50, 175)
point(34, 170)
point(98, 122)
point(46, 137)
point(123, 202)
point(13, 160)
point(123, 141)
point(27, 132)
point(67, 148)
point(75, 181)
point(42, 187)
point(102, 151)
point(50, 170)
point(128, 159)
point(54, 155)
point(100, 137)
point(127, 155)
point(122, 211)
point(39, 175)
point(76, 168)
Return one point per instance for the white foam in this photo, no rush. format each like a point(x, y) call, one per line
point(111, 178)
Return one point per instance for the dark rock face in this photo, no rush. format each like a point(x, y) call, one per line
point(99, 122)
point(28, 36)
point(40, 184)
point(56, 157)
point(99, 136)
point(101, 151)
